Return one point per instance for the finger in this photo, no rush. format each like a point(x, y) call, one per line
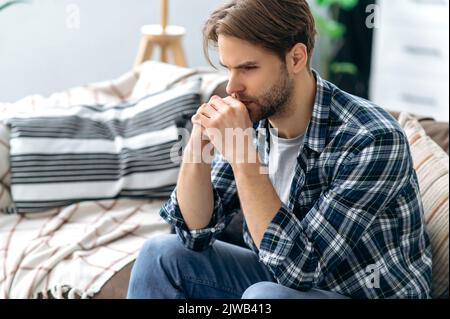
point(233, 102)
point(201, 110)
point(218, 104)
point(201, 119)
point(208, 111)
point(197, 120)
point(210, 105)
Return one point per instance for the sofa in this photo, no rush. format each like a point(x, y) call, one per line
point(436, 130)
point(109, 280)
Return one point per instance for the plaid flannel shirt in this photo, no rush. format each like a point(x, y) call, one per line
point(354, 221)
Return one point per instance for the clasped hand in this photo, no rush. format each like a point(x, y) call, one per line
point(226, 124)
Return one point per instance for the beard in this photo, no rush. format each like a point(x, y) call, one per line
point(274, 102)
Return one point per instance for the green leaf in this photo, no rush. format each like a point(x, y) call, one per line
point(10, 3)
point(343, 67)
point(331, 28)
point(344, 4)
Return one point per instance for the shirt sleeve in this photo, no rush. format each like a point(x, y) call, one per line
point(298, 252)
point(226, 204)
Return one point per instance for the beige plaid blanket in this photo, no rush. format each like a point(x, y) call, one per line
point(73, 251)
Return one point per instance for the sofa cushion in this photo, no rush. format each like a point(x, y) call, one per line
point(432, 166)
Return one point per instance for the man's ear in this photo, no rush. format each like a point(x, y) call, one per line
point(297, 57)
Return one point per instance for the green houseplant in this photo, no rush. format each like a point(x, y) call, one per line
point(334, 31)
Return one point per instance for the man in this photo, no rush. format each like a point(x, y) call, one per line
point(339, 214)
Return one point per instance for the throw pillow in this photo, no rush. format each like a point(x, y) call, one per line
point(63, 156)
point(432, 167)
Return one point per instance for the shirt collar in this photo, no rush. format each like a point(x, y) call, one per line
point(316, 133)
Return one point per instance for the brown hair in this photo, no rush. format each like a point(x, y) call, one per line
point(276, 25)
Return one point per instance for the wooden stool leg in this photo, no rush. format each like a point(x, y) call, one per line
point(178, 53)
point(145, 51)
point(164, 49)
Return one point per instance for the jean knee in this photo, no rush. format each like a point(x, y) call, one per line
point(154, 253)
point(154, 259)
point(160, 246)
point(260, 290)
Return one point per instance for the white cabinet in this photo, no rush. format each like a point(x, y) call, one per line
point(410, 64)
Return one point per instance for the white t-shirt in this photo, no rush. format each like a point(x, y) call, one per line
point(282, 163)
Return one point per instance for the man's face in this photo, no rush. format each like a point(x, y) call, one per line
point(257, 78)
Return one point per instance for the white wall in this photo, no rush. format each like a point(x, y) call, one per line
point(41, 51)
point(414, 76)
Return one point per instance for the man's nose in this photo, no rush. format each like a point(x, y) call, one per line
point(234, 86)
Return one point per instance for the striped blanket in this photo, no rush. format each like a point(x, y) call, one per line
point(72, 251)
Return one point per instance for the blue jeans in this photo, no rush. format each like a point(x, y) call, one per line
point(165, 269)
